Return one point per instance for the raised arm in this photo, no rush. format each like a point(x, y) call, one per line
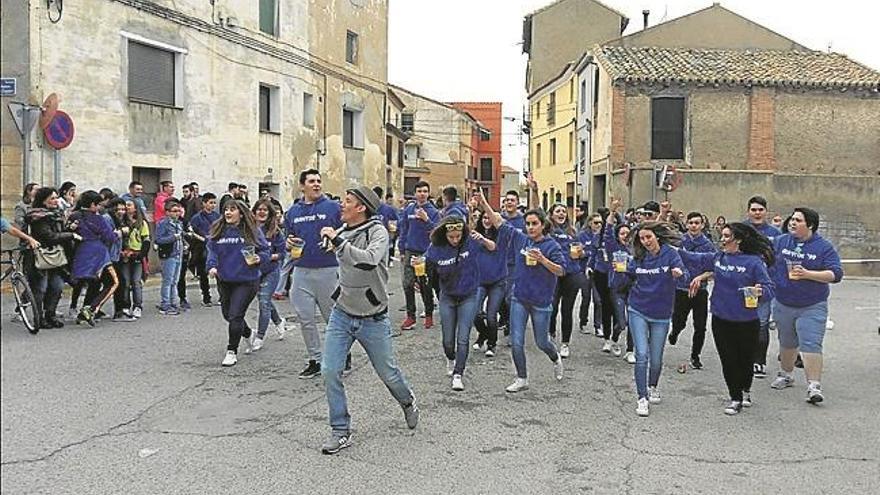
point(487, 210)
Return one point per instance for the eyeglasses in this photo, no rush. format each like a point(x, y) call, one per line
point(454, 227)
point(757, 210)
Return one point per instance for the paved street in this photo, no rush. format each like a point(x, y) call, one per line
point(145, 408)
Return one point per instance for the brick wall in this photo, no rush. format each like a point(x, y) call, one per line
point(618, 124)
point(762, 143)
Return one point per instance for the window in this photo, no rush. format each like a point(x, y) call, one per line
point(485, 135)
point(351, 48)
point(352, 128)
point(571, 146)
point(571, 91)
point(583, 96)
point(154, 74)
point(486, 169)
point(667, 128)
point(551, 110)
point(308, 111)
point(407, 122)
point(269, 109)
point(269, 17)
point(389, 149)
point(538, 110)
point(538, 155)
point(553, 151)
point(400, 154)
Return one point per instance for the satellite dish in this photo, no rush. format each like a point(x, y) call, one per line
point(50, 106)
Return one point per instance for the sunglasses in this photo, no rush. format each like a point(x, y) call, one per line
point(596, 222)
point(454, 227)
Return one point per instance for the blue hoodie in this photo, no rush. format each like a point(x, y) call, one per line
point(564, 240)
point(277, 245)
point(699, 244)
point(535, 285)
point(116, 247)
point(518, 222)
point(415, 235)
point(457, 269)
point(732, 273)
point(600, 258)
point(589, 239)
point(386, 214)
point(765, 229)
point(653, 293)
point(224, 254)
point(493, 264)
point(166, 233)
point(617, 281)
point(201, 222)
point(456, 208)
point(816, 254)
point(93, 252)
point(305, 221)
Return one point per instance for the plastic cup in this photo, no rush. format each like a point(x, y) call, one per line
point(250, 255)
point(750, 295)
point(296, 249)
point(530, 261)
point(392, 226)
point(790, 264)
point(418, 264)
point(620, 261)
point(575, 250)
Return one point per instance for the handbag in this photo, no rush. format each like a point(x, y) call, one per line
point(48, 258)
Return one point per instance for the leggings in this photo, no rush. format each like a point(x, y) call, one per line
point(235, 297)
point(600, 281)
point(100, 290)
point(566, 292)
point(736, 342)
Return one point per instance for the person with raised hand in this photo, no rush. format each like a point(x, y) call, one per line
point(493, 281)
point(571, 282)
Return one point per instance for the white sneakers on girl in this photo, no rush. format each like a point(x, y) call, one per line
point(230, 359)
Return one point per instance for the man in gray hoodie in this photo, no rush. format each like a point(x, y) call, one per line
point(360, 313)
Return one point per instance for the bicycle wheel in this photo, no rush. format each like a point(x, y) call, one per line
point(25, 305)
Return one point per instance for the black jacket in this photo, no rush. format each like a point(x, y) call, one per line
point(47, 227)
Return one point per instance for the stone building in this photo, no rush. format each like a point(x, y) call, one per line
point(229, 90)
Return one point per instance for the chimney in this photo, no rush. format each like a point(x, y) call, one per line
point(645, 14)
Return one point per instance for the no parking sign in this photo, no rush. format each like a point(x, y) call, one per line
point(59, 132)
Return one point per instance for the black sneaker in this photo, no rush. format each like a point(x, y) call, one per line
point(799, 361)
point(311, 371)
point(207, 304)
point(696, 363)
point(673, 338)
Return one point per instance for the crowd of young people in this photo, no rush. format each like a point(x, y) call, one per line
point(643, 272)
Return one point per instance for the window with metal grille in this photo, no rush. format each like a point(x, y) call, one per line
point(151, 74)
point(486, 169)
point(407, 122)
point(269, 17)
point(351, 48)
point(667, 128)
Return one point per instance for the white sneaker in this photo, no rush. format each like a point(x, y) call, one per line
point(654, 395)
point(247, 344)
point(137, 312)
point(782, 380)
point(615, 349)
point(258, 344)
point(558, 369)
point(518, 385)
point(490, 352)
point(477, 346)
point(281, 329)
point(450, 366)
point(564, 351)
point(814, 393)
point(630, 358)
point(457, 384)
point(606, 347)
point(230, 359)
point(72, 313)
point(747, 399)
point(642, 409)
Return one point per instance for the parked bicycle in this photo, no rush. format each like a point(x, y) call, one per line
point(25, 304)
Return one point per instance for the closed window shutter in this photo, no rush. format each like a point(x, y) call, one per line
point(150, 74)
point(667, 128)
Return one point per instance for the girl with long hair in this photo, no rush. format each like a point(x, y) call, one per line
point(589, 239)
point(570, 283)
point(617, 242)
point(237, 249)
point(654, 268)
point(135, 249)
point(493, 282)
point(453, 253)
point(268, 221)
point(741, 279)
point(91, 263)
point(539, 262)
point(601, 267)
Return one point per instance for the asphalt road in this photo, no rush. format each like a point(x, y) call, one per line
point(145, 408)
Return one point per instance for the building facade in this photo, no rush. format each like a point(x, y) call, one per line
point(486, 175)
point(233, 90)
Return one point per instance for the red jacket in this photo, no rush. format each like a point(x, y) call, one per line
point(159, 206)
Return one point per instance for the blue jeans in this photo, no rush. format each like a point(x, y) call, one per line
point(170, 277)
point(133, 274)
point(492, 296)
point(456, 319)
point(374, 335)
point(283, 274)
point(267, 307)
point(47, 290)
point(649, 337)
point(519, 315)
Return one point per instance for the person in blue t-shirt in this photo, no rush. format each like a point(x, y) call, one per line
point(757, 218)
point(268, 220)
point(539, 262)
point(741, 280)
point(589, 238)
point(200, 225)
point(511, 214)
point(618, 244)
point(387, 214)
point(806, 263)
point(654, 268)
point(570, 284)
point(453, 253)
point(452, 205)
point(415, 226)
point(695, 241)
point(493, 280)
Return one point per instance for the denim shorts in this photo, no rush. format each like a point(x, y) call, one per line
point(801, 328)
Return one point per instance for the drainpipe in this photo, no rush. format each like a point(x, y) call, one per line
point(645, 14)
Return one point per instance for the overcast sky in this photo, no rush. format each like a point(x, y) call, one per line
point(470, 50)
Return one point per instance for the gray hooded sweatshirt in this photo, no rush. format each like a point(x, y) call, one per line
point(362, 252)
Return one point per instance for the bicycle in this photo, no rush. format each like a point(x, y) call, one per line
point(25, 304)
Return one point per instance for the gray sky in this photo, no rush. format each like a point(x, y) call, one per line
point(469, 50)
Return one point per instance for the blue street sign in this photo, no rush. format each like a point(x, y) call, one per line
point(8, 86)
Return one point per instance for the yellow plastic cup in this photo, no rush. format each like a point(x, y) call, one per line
point(418, 264)
point(575, 249)
point(392, 226)
point(296, 251)
point(530, 261)
point(750, 295)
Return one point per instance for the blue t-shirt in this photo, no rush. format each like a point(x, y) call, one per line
point(225, 255)
point(458, 267)
point(535, 285)
point(564, 239)
point(415, 234)
point(653, 293)
point(816, 254)
point(767, 230)
point(305, 221)
point(386, 214)
point(617, 281)
point(732, 273)
point(456, 208)
point(493, 264)
point(201, 222)
point(518, 222)
point(698, 244)
point(589, 239)
point(600, 258)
